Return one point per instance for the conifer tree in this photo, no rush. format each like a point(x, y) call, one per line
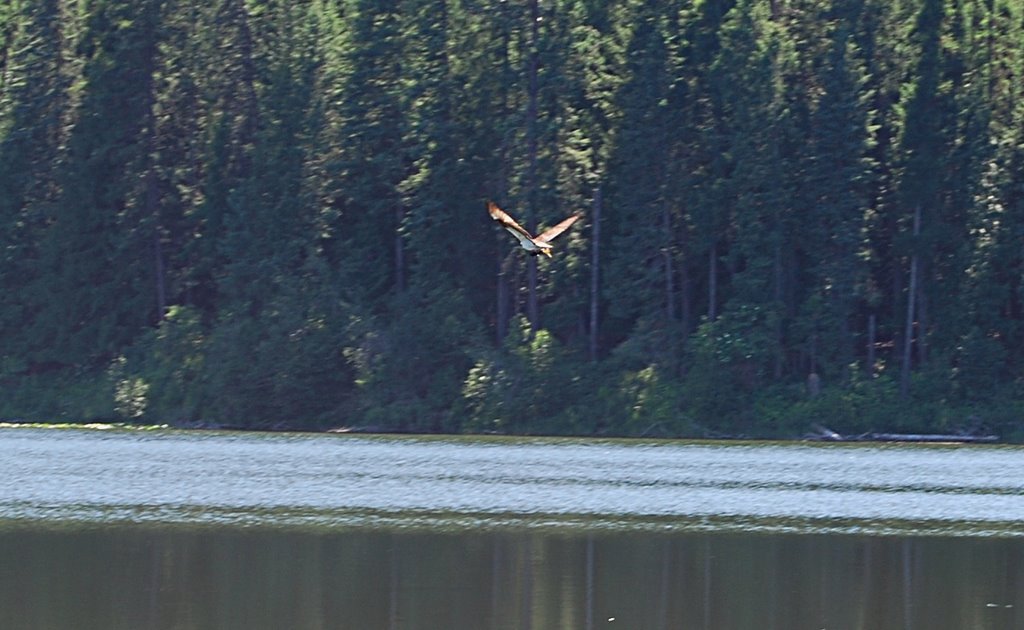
point(91, 295)
point(990, 332)
point(276, 348)
point(746, 79)
point(838, 181)
point(226, 79)
point(34, 106)
point(368, 243)
point(707, 161)
point(177, 151)
point(642, 219)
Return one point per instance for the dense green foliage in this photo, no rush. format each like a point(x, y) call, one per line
point(272, 213)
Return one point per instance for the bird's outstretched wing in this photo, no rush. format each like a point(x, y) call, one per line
point(501, 217)
point(547, 235)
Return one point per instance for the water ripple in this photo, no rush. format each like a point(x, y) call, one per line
point(339, 481)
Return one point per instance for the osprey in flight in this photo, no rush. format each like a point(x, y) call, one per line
point(540, 244)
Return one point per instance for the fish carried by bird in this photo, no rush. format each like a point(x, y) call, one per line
point(540, 244)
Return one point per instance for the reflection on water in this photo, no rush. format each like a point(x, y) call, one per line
point(135, 577)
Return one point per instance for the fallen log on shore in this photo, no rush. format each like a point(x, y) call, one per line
point(930, 437)
point(823, 433)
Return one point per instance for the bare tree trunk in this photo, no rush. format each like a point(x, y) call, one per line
point(504, 293)
point(872, 323)
point(399, 251)
point(670, 281)
point(713, 283)
point(922, 314)
point(595, 276)
point(515, 291)
point(684, 296)
point(532, 304)
point(777, 296)
point(897, 294)
point(153, 210)
point(908, 332)
point(502, 303)
point(846, 348)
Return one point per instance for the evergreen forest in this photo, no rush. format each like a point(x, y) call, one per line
point(272, 214)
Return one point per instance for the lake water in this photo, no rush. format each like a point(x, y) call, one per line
point(166, 529)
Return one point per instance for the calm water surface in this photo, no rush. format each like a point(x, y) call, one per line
point(121, 529)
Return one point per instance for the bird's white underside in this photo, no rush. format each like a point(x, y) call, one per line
point(527, 243)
